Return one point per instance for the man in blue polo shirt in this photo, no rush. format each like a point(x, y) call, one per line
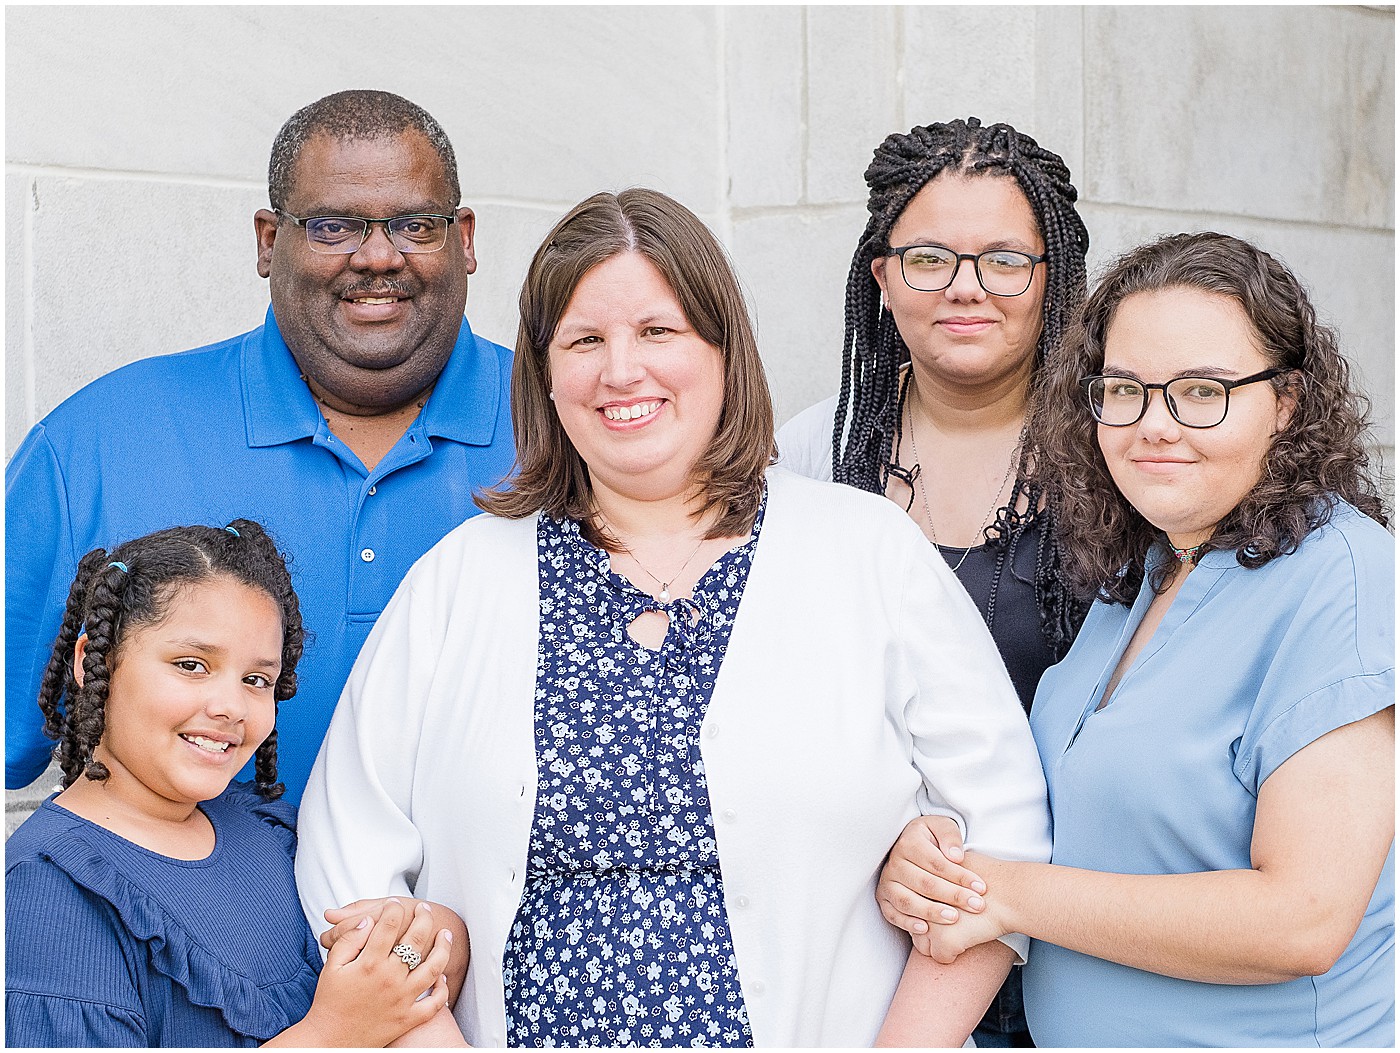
point(355, 423)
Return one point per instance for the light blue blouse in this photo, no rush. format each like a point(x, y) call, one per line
point(1247, 668)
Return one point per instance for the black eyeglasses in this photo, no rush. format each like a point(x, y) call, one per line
point(1195, 402)
point(342, 235)
point(932, 268)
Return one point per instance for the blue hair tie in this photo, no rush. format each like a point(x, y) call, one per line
point(235, 533)
point(119, 565)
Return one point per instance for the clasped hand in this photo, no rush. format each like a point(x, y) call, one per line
point(926, 890)
point(367, 994)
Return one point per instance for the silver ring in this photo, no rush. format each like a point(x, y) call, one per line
point(408, 956)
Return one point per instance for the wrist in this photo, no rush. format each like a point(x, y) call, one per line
point(1003, 898)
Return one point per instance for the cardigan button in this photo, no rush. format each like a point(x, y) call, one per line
point(712, 731)
point(730, 815)
point(742, 901)
point(757, 987)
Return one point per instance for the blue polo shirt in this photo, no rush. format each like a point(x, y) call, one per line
point(230, 431)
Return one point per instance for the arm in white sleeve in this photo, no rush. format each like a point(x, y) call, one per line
point(971, 740)
point(356, 833)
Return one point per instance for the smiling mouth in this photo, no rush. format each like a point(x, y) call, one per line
point(640, 409)
point(208, 745)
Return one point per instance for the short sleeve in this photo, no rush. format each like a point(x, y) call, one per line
point(37, 576)
point(1334, 664)
point(1304, 722)
point(68, 978)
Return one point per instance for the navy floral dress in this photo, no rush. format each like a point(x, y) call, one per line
point(622, 938)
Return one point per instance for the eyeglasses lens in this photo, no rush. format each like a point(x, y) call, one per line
point(1196, 402)
point(336, 235)
point(931, 268)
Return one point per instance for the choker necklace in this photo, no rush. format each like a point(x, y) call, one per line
point(665, 595)
point(1186, 556)
point(916, 473)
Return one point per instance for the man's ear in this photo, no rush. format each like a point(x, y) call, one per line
point(265, 228)
point(466, 228)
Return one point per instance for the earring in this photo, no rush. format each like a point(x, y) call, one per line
point(551, 396)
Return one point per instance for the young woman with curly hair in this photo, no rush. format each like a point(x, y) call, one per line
point(1219, 742)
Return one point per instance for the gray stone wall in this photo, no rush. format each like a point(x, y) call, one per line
point(137, 142)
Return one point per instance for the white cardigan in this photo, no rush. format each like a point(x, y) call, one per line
point(859, 689)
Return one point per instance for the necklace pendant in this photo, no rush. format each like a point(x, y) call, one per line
point(665, 596)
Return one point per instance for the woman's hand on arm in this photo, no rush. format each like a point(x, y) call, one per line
point(1292, 914)
point(939, 1004)
point(923, 882)
point(344, 919)
point(367, 995)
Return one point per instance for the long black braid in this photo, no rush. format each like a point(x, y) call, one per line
point(868, 410)
point(132, 586)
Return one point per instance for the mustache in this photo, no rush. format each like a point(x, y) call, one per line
point(383, 287)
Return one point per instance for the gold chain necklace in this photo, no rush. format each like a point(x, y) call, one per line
point(923, 489)
point(665, 594)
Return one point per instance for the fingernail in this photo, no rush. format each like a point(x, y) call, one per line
point(949, 913)
point(363, 923)
point(979, 885)
point(394, 900)
point(974, 902)
point(426, 907)
point(447, 935)
point(920, 927)
point(955, 854)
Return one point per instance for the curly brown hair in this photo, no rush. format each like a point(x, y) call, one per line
point(133, 585)
point(1318, 459)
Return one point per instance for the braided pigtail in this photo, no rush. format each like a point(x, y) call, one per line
point(87, 712)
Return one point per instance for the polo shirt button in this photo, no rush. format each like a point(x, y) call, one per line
point(373, 490)
point(367, 554)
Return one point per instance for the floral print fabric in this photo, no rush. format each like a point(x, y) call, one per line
point(621, 938)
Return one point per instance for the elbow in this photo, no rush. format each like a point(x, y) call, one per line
point(1313, 949)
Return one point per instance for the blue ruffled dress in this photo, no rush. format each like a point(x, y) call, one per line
point(109, 944)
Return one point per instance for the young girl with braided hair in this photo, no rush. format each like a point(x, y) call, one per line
point(970, 266)
point(152, 901)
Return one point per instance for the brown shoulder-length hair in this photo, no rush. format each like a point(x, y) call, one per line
point(550, 475)
point(1316, 459)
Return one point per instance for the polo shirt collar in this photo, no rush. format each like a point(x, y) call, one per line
point(466, 402)
point(279, 407)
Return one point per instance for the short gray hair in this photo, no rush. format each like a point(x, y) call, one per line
point(358, 114)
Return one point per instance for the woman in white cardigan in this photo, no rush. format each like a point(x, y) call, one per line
point(652, 726)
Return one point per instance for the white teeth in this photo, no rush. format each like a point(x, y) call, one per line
point(377, 299)
point(641, 409)
point(207, 744)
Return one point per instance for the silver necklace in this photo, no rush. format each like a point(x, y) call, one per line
point(665, 594)
point(923, 489)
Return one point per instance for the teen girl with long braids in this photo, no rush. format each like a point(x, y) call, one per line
point(152, 902)
point(961, 285)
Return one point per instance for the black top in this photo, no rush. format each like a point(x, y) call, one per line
point(1015, 617)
